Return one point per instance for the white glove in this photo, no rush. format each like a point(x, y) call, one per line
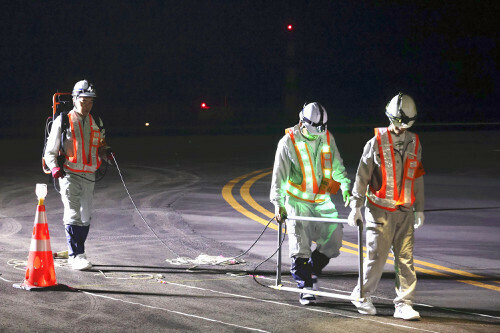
point(419, 219)
point(354, 216)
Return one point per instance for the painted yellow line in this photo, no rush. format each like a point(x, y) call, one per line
point(428, 264)
point(480, 284)
point(343, 249)
point(246, 196)
point(450, 270)
point(228, 196)
point(430, 272)
point(352, 245)
point(391, 262)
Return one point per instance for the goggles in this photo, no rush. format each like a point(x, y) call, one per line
point(314, 128)
point(403, 120)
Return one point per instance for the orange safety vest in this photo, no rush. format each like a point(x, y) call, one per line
point(79, 161)
point(388, 197)
point(309, 190)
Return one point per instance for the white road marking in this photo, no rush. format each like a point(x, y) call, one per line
point(300, 307)
point(176, 312)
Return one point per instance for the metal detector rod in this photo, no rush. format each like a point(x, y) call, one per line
point(278, 265)
point(360, 259)
point(324, 220)
point(317, 219)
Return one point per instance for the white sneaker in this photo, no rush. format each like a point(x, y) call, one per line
point(79, 262)
point(366, 307)
point(307, 299)
point(316, 286)
point(406, 312)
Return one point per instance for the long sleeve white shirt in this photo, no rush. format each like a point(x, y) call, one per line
point(369, 171)
point(54, 140)
point(287, 166)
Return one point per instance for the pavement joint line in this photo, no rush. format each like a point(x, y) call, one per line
point(173, 311)
point(246, 196)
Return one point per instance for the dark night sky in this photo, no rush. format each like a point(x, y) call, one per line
point(161, 58)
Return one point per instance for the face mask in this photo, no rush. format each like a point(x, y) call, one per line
point(306, 133)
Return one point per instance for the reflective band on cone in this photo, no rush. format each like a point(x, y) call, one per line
point(40, 271)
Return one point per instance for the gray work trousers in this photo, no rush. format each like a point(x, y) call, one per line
point(77, 195)
point(387, 231)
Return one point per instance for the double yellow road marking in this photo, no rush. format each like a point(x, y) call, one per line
point(251, 178)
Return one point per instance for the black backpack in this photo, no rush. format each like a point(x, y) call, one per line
point(62, 104)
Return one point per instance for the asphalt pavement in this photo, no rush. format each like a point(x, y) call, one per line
point(204, 199)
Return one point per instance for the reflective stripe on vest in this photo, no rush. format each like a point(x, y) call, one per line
point(309, 190)
point(388, 197)
point(81, 162)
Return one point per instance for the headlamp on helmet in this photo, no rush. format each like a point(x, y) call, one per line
point(83, 89)
point(401, 111)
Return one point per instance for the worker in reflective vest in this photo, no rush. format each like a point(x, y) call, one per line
point(390, 177)
point(82, 149)
point(307, 170)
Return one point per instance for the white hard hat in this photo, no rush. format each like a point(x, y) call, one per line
point(83, 89)
point(314, 118)
point(402, 111)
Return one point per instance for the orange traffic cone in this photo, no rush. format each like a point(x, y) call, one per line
point(40, 271)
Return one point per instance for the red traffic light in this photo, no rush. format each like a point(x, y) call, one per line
point(289, 27)
point(204, 106)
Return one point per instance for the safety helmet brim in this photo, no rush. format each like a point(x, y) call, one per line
point(85, 95)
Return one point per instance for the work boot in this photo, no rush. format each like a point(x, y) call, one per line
point(307, 299)
point(366, 307)
point(406, 312)
point(79, 262)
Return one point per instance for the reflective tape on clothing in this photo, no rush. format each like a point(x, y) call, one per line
point(80, 161)
point(309, 190)
point(388, 197)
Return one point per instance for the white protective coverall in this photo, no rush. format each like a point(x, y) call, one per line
point(385, 228)
point(76, 188)
point(328, 236)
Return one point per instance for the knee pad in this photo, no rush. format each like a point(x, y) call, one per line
point(318, 262)
point(300, 263)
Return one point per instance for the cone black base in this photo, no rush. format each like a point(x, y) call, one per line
point(57, 287)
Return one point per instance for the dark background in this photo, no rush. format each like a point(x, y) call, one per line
point(156, 61)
